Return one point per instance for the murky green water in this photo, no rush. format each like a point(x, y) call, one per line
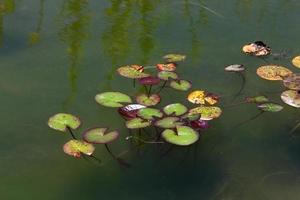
point(56, 55)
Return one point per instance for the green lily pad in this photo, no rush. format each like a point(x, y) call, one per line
point(185, 136)
point(137, 123)
point(270, 107)
point(181, 85)
point(191, 116)
point(146, 100)
point(149, 113)
point(291, 97)
point(176, 109)
point(174, 57)
point(100, 136)
point(61, 121)
point(207, 112)
point(76, 148)
point(132, 71)
point(165, 75)
point(257, 99)
point(168, 122)
point(112, 99)
point(292, 81)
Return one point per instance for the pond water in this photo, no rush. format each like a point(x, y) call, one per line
point(57, 55)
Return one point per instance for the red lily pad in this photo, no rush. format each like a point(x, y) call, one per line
point(150, 80)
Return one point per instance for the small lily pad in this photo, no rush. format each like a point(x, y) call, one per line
point(137, 123)
point(100, 135)
point(169, 67)
point(292, 81)
point(211, 98)
point(168, 122)
point(150, 80)
point(175, 109)
point(197, 97)
point(207, 112)
point(273, 72)
point(165, 75)
point(257, 48)
point(184, 136)
point(257, 99)
point(296, 61)
point(291, 97)
point(174, 57)
point(112, 99)
point(61, 121)
point(132, 71)
point(191, 116)
point(77, 147)
point(181, 85)
point(200, 124)
point(235, 68)
point(130, 111)
point(149, 113)
point(270, 107)
point(146, 100)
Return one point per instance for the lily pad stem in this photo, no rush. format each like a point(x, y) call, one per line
point(71, 132)
point(149, 92)
point(162, 87)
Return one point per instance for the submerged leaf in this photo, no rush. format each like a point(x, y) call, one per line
point(184, 136)
point(181, 85)
point(292, 81)
point(168, 122)
point(175, 109)
point(165, 75)
point(149, 113)
point(76, 148)
point(270, 107)
point(132, 71)
point(100, 135)
point(207, 112)
point(273, 72)
point(174, 57)
point(296, 61)
point(146, 100)
point(291, 97)
point(112, 99)
point(257, 99)
point(61, 121)
point(137, 123)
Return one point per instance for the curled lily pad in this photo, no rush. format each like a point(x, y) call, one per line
point(77, 147)
point(175, 109)
point(112, 99)
point(174, 57)
point(257, 99)
point(166, 67)
point(181, 85)
point(168, 122)
point(150, 80)
point(149, 113)
point(296, 61)
point(292, 81)
point(130, 111)
point(273, 72)
point(132, 71)
point(270, 107)
point(235, 68)
point(291, 97)
point(257, 48)
point(165, 75)
point(207, 112)
point(61, 121)
point(146, 100)
point(100, 135)
point(137, 123)
point(183, 136)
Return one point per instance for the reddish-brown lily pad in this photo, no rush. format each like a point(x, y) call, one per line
point(166, 67)
point(150, 80)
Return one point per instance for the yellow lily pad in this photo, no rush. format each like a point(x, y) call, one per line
point(296, 61)
point(77, 147)
point(273, 72)
point(291, 97)
point(207, 112)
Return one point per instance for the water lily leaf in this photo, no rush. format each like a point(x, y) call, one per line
point(207, 112)
point(273, 72)
point(112, 99)
point(168, 122)
point(270, 107)
point(100, 135)
point(176, 109)
point(164, 75)
point(197, 97)
point(132, 71)
point(292, 81)
point(146, 100)
point(296, 61)
point(77, 147)
point(181, 85)
point(137, 123)
point(130, 111)
point(257, 99)
point(211, 99)
point(149, 113)
point(235, 68)
point(174, 57)
point(291, 97)
point(200, 124)
point(170, 67)
point(61, 121)
point(184, 136)
point(191, 116)
point(257, 48)
point(150, 80)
